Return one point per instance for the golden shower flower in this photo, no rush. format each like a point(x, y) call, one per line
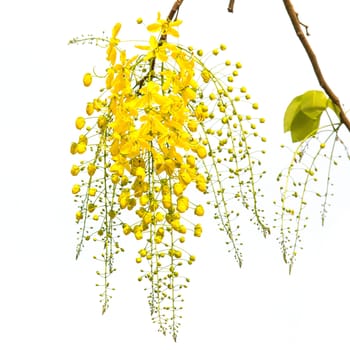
point(164, 27)
point(80, 123)
point(87, 79)
point(76, 189)
point(162, 133)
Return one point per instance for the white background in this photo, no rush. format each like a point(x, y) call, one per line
point(47, 299)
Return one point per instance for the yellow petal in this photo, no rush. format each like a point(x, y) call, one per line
point(116, 30)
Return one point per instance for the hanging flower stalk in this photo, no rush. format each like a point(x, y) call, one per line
point(311, 165)
point(162, 147)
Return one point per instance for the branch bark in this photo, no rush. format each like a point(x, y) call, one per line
point(174, 9)
point(230, 6)
point(313, 59)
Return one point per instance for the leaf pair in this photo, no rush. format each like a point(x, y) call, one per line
point(303, 115)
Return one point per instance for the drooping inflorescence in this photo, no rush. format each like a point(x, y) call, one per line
point(161, 148)
point(306, 178)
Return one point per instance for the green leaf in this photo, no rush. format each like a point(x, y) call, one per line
point(333, 107)
point(303, 127)
point(302, 117)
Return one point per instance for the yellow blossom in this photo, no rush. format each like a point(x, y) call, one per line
point(73, 148)
point(198, 230)
point(78, 215)
point(205, 74)
point(75, 170)
point(87, 79)
point(156, 49)
point(178, 189)
point(92, 191)
point(89, 108)
point(199, 210)
point(126, 229)
point(192, 125)
point(80, 122)
point(201, 151)
point(165, 27)
point(166, 200)
point(81, 147)
point(76, 189)
point(91, 169)
point(115, 30)
point(182, 204)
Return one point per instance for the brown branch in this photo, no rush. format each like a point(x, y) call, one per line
point(174, 9)
point(230, 6)
point(313, 59)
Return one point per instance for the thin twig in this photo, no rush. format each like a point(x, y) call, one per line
point(304, 25)
point(313, 59)
point(230, 6)
point(174, 9)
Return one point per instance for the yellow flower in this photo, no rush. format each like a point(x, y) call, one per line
point(164, 27)
point(178, 189)
point(159, 216)
point(191, 161)
point(199, 210)
point(92, 191)
point(198, 230)
point(124, 198)
point(140, 173)
point(201, 151)
point(166, 200)
point(138, 232)
point(73, 148)
point(126, 229)
point(101, 121)
point(76, 189)
point(182, 204)
point(87, 79)
point(201, 183)
point(192, 125)
point(178, 253)
point(80, 123)
point(91, 168)
point(75, 170)
point(91, 207)
point(78, 215)
point(81, 147)
point(89, 108)
point(117, 168)
point(205, 74)
point(115, 30)
point(156, 49)
point(201, 112)
point(111, 53)
point(111, 49)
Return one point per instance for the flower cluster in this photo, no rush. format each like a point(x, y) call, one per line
point(163, 134)
point(308, 176)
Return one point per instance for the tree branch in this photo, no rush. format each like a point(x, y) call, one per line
point(174, 9)
point(230, 6)
point(313, 59)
